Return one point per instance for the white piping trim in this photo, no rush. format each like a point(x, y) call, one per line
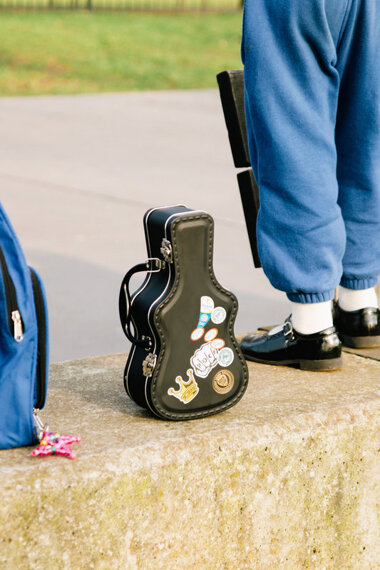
point(126, 376)
point(178, 214)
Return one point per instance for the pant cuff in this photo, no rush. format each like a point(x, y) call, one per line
point(311, 297)
point(350, 283)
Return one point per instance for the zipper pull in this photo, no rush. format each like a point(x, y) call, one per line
point(17, 327)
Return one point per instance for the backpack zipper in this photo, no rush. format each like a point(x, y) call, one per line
point(41, 350)
point(14, 316)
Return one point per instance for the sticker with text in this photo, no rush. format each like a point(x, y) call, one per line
point(197, 333)
point(188, 389)
point(218, 343)
point(211, 335)
point(207, 307)
point(204, 360)
point(225, 357)
point(223, 381)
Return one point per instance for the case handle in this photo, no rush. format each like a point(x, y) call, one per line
point(125, 299)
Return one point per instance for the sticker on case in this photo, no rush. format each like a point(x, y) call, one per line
point(197, 333)
point(207, 306)
point(188, 389)
point(218, 315)
point(211, 334)
point(223, 381)
point(225, 356)
point(218, 343)
point(204, 360)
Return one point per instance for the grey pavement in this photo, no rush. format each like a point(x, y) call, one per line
point(77, 174)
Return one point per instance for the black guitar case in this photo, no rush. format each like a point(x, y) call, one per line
point(184, 362)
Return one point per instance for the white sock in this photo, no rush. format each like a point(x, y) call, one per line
point(309, 318)
point(355, 299)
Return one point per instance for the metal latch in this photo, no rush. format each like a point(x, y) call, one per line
point(148, 365)
point(166, 250)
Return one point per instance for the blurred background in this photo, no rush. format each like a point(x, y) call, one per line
point(109, 108)
point(130, 5)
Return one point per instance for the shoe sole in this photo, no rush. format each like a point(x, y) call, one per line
point(327, 365)
point(360, 341)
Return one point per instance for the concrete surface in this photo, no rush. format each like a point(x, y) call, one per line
point(287, 479)
point(77, 174)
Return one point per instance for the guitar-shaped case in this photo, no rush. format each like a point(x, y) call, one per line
point(184, 362)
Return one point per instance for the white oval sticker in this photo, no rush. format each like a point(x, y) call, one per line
point(211, 334)
point(197, 333)
point(218, 343)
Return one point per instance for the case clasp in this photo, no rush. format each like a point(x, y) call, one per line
point(166, 250)
point(148, 365)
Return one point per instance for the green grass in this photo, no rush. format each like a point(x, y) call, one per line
point(156, 5)
point(80, 52)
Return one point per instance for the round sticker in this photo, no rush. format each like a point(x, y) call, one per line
point(225, 357)
point(197, 333)
point(211, 334)
point(218, 343)
point(218, 315)
point(223, 381)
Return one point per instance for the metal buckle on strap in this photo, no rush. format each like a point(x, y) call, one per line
point(159, 264)
point(288, 330)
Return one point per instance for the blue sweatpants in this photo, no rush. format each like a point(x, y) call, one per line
point(312, 99)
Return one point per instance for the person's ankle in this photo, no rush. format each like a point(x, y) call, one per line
point(311, 318)
point(355, 299)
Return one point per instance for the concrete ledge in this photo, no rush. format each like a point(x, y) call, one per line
point(287, 479)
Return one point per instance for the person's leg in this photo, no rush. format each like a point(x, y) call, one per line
point(289, 51)
point(297, 56)
point(357, 316)
point(358, 145)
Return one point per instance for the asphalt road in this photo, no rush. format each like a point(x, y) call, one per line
point(77, 174)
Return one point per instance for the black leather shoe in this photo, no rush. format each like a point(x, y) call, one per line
point(319, 351)
point(358, 329)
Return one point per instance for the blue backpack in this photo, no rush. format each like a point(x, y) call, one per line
point(23, 343)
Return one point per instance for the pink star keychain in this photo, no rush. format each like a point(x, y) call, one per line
point(56, 444)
